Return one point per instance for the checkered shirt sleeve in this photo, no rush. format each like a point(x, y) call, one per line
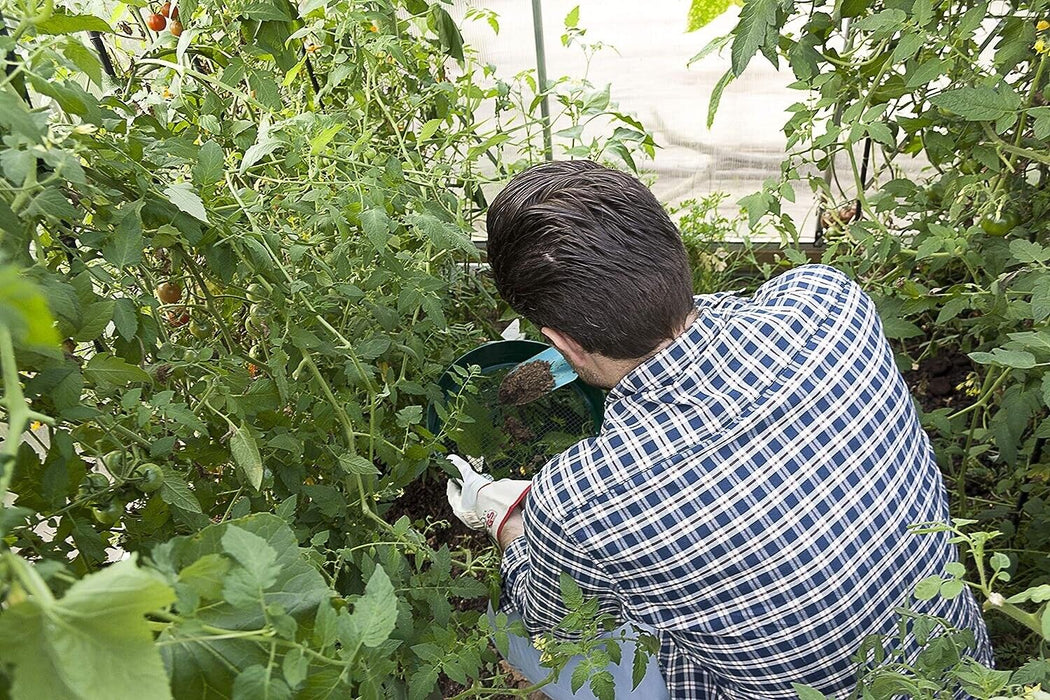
point(748, 497)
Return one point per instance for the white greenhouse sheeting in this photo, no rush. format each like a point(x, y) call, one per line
point(649, 78)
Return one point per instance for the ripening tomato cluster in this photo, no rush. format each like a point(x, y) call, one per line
point(160, 19)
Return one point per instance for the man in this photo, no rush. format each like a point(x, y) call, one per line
point(758, 465)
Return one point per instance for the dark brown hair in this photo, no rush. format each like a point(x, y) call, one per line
point(589, 251)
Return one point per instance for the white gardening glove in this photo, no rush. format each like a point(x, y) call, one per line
point(480, 502)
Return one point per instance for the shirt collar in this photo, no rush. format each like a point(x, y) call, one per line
point(661, 369)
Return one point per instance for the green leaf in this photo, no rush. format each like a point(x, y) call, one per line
point(570, 591)
point(264, 145)
point(295, 667)
point(639, 665)
point(447, 31)
point(1017, 359)
point(978, 103)
point(443, 235)
point(428, 129)
point(268, 10)
point(898, 329)
point(572, 20)
point(755, 31)
point(61, 23)
point(376, 225)
point(96, 317)
point(246, 455)
point(51, 202)
point(1036, 594)
point(109, 370)
point(1045, 623)
point(703, 12)
point(265, 87)
point(257, 683)
point(928, 588)
point(182, 196)
point(84, 59)
point(356, 464)
point(1041, 124)
point(951, 589)
point(175, 492)
point(253, 553)
point(92, 643)
point(1028, 251)
point(579, 677)
point(205, 576)
point(208, 668)
point(422, 683)
point(24, 310)
point(907, 47)
point(602, 685)
point(125, 318)
point(375, 613)
point(716, 96)
point(15, 115)
point(806, 692)
point(925, 72)
point(125, 247)
point(209, 165)
point(318, 143)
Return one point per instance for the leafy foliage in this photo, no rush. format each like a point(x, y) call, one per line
point(235, 255)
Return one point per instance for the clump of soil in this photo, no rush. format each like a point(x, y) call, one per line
point(527, 382)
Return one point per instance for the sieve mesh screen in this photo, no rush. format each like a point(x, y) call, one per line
point(516, 441)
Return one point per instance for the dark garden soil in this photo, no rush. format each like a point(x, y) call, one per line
point(938, 381)
point(527, 382)
point(424, 502)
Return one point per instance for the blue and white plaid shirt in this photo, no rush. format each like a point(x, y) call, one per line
point(748, 497)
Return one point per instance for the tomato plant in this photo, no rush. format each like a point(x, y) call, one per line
point(231, 269)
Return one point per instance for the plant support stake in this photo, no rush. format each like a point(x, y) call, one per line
point(541, 76)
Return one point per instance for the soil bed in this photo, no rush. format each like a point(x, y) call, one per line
point(937, 380)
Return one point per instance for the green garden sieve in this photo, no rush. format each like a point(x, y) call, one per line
point(514, 440)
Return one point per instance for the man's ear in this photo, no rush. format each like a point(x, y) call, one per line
point(567, 346)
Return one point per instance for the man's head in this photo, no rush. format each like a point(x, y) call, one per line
point(587, 254)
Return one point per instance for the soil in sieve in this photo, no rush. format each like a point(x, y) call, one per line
point(527, 382)
point(515, 440)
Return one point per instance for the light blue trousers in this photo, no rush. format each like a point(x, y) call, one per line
point(525, 659)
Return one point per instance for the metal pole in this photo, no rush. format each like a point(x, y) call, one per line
point(541, 75)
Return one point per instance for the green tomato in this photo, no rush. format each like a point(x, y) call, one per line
point(108, 514)
point(92, 484)
point(935, 193)
point(202, 329)
point(151, 477)
point(999, 225)
point(256, 321)
point(256, 292)
point(820, 25)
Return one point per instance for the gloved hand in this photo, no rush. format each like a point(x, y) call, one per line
point(480, 502)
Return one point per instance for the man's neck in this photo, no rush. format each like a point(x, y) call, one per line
point(616, 370)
